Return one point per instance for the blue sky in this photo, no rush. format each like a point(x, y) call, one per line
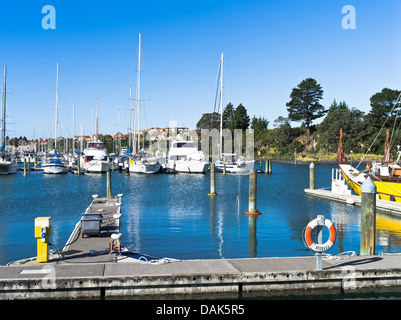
point(269, 48)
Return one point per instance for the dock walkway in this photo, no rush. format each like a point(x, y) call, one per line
point(86, 269)
point(390, 207)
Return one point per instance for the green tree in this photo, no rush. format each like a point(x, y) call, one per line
point(304, 104)
point(383, 106)
point(228, 117)
point(350, 120)
point(241, 118)
point(259, 125)
point(209, 121)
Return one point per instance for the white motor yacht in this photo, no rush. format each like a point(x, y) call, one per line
point(94, 158)
point(185, 157)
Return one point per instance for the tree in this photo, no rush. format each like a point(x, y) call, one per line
point(209, 121)
point(350, 120)
point(228, 117)
point(259, 125)
point(383, 106)
point(241, 118)
point(304, 104)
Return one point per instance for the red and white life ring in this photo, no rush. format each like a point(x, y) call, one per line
point(320, 247)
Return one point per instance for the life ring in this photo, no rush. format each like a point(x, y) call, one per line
point(320, 247)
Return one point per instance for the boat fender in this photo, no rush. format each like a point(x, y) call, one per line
point(367, 166)
point(320, 247)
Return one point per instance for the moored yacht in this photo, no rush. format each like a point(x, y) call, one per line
point(185, 157)
point(54, 164)
point(94, 158)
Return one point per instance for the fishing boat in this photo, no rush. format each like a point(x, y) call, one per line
point(185, 157)
point(385, 174)
point(8, 162)
point(229, 162)
point(140, 161)
point(55, 163)
point(94, 158)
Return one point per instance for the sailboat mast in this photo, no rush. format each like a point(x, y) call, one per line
point(73, 127)
point(130, 143)
point(221, 102)
point(138, 91)
point(97, 124)
point(3, 116)
point(56, 120)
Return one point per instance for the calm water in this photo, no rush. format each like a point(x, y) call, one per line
point(172, 215)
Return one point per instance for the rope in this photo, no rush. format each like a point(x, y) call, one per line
point(396, 102)
point(339, 256)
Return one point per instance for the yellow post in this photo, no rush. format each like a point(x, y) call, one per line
point(43, 230)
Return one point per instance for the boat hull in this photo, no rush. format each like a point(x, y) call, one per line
point(246, 168)
point(8, 167)
point(187, 166)
point(95, 166)
point(388, 189)
point(144, 168)
point(54, 168)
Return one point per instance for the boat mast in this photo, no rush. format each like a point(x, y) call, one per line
point(221, 103)
point(97, 125)
point(3, 128)
point(130, 143)
point(56, 121)
point(138, 91)
point(73, 128)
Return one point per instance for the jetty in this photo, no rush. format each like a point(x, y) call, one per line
point(90, 266)
point(389, 207)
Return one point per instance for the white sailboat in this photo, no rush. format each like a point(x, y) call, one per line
point(8, 162)
point(94, 158)
point(141, 161)
point(229, 162)
point(55, 164)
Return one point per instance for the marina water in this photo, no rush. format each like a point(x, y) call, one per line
point(171, 215)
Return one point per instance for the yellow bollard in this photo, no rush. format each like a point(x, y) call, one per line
point(43, 230)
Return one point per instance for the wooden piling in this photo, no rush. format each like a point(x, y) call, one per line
point(312, 176)
point(368, 218)
point(108, 183)
point(253, 194)
point(252, 239)
point(25, 167)
point(79, 166)
point(212, 181)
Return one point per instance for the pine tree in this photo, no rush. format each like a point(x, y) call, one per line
point(304, 104)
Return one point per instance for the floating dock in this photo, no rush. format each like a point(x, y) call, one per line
point(85, 268)
point(389, 207)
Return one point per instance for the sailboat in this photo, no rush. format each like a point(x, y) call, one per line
point(229, 162)
point(385, 174)
point(8, 162)
point(141, 161)
point(55, 163)
point(94, 158)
